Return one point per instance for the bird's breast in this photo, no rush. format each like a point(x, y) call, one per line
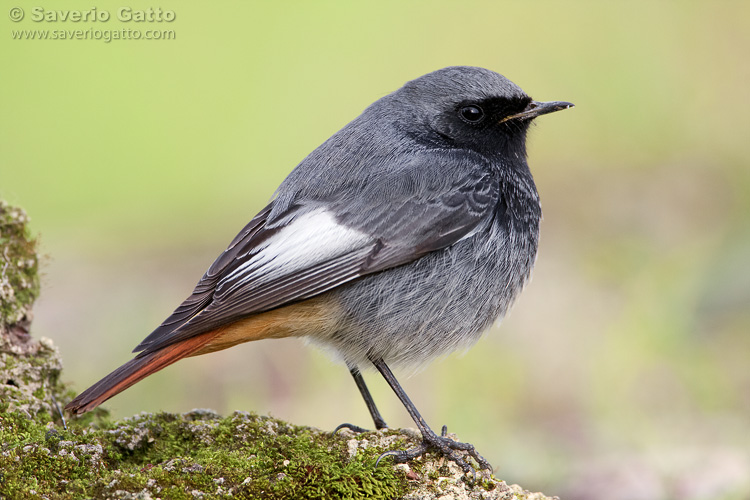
point(443, 301)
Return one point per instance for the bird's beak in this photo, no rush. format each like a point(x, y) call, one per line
point(536, 108)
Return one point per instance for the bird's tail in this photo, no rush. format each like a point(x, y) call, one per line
point(135, 370)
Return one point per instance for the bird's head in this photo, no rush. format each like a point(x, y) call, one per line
point(469, 107)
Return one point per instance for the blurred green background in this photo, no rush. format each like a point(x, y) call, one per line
point(623, 370)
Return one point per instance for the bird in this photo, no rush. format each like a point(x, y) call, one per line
point(403, 237)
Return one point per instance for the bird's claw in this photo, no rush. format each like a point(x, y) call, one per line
point(354, 428)
point(446, 446)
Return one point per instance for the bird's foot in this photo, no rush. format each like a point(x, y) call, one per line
point(446, 446)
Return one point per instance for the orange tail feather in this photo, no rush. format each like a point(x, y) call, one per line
point(307, 317)
point(135, 370)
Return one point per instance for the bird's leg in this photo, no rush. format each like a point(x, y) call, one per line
point(445, 445)
point(376, 418)
point(360, 381)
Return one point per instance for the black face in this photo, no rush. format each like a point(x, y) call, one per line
point(477, 124)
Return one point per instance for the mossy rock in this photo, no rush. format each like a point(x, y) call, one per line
point(19, 277)
point(198, 454)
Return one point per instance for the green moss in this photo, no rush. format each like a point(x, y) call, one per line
point(174, 455)
point(19, 276)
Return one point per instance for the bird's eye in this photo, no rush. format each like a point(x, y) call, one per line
point(472, 114)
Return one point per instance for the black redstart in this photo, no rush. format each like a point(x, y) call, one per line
point(402, 237)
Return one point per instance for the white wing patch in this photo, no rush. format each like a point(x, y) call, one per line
point(308, 240)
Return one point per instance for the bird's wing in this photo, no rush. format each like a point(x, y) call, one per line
point(318, 245)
